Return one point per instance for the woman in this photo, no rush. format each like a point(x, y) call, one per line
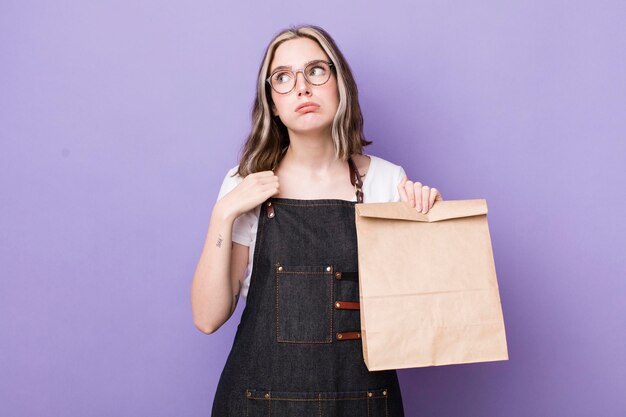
point(288, 209)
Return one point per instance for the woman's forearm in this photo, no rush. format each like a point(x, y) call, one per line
point(212, 289)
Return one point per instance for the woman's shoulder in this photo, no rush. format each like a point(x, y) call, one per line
point(382, 184)
point(230, 181)
point(232, 176)
point(384, 168)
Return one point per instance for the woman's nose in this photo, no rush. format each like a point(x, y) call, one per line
point(302, 85)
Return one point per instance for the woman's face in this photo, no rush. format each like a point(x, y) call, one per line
point(296, 53)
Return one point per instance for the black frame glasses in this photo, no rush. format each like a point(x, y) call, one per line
point(294, 74)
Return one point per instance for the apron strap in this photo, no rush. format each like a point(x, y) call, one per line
point(355, 179)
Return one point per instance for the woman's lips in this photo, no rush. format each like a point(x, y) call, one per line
point(307, 108)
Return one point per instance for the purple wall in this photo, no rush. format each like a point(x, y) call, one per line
point(118, 121)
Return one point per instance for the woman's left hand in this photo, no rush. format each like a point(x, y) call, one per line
point(422, 197)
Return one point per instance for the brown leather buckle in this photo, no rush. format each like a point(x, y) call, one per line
point(347, 305)
point(348, 335)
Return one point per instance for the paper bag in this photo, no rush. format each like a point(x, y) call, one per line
point(428, 288)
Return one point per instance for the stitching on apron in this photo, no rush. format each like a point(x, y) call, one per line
point(386, 410)
point(319, 404)
point(276, 285)
point(330, 305)
point(362, 395)
point(257, 248)
point(356, 396)
point(310, 205)
point(317, 399)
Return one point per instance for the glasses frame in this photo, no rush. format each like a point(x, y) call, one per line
point(295, 75)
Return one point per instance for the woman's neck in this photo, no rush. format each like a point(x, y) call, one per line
point(312, 156)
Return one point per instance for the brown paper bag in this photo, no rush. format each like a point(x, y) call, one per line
point(428, 288)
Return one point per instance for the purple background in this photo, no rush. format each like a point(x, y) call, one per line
point(119, 119)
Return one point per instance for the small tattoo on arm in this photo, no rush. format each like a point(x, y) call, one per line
point(219, 241)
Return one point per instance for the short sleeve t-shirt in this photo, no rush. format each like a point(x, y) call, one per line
point(380, 185)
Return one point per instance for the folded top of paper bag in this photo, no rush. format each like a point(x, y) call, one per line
point(441, 210)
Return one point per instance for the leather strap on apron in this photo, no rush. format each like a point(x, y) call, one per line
point(355, 179)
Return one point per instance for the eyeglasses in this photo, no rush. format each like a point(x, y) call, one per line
point(316, 72)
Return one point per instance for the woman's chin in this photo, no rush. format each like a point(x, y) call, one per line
point(308, 127)
point(311, 132)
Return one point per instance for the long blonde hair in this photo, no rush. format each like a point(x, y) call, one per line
point(269, 139)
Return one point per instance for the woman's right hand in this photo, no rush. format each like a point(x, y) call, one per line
point(253, 190)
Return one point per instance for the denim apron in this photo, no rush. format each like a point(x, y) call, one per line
point(297, 351)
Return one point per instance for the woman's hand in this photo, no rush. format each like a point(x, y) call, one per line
point(422, 197)
point(253, 190)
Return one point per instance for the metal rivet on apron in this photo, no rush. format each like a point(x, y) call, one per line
point(249, 394)
point(328, 268)
point(267, 395)
point(280, 268)
point(338, 275)
point(269, 203)
point(339, 336)
point(271, 214)
point(369, 394)
point(385, 392)
point(338, 304)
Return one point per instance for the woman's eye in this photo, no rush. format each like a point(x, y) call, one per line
point(317, 70)
point(282, 77)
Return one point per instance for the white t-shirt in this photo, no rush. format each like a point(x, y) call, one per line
point(380, 185)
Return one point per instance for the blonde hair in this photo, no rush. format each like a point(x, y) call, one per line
point(269, 139)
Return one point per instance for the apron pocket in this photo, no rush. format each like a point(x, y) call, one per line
point(265, 403)
point(304, 304)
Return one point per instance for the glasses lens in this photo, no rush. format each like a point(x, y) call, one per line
point(283, 81)
point(317, 72)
